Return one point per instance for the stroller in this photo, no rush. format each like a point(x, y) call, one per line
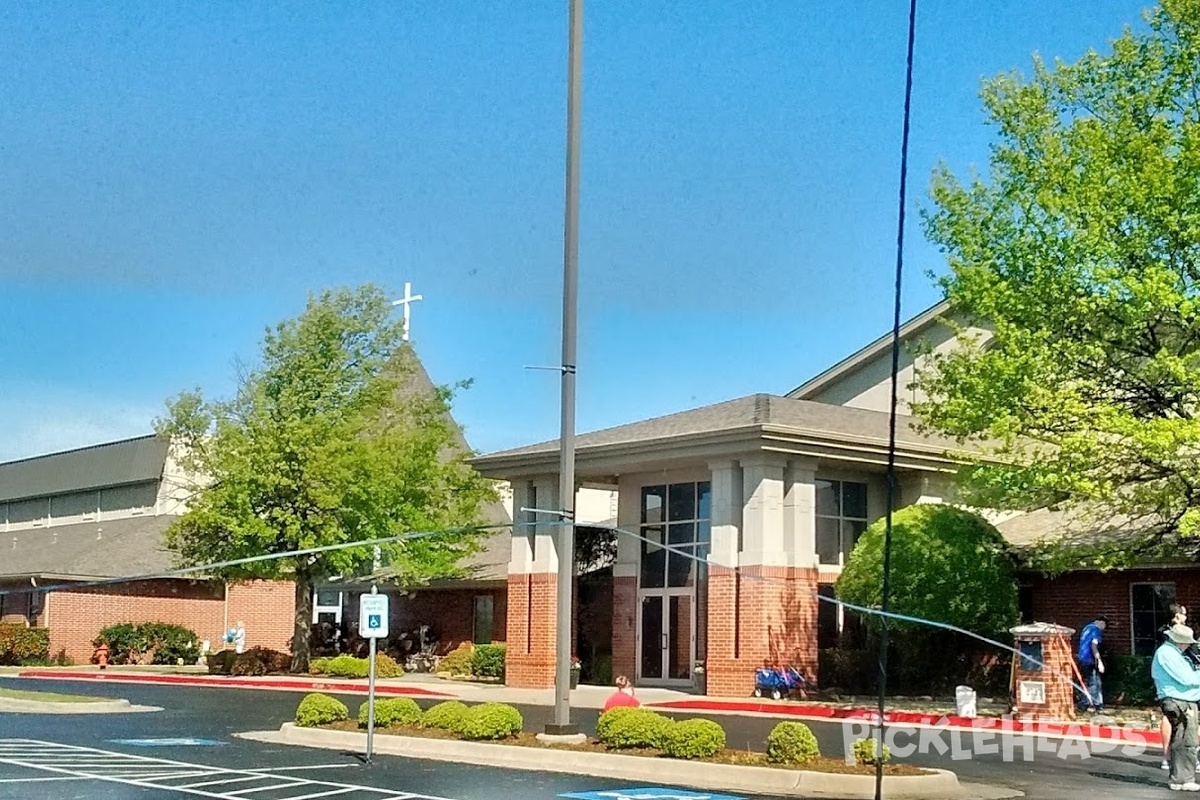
point(778, 682)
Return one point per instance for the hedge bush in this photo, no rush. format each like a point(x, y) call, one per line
point(458, 661)
point(320, 709)
point(490, 721)
point(792, 743)
point(864, 751)
point(21, 645)
point(260, 661)
point(149, 643)
point(1127, 681)
point(624, 727)
point(487, 661)
point(220, 662)
point(694, 738)
point(446, 716)
point(352, 667)
point(391, 712)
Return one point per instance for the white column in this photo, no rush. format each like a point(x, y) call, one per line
point(762, 511)
point(629, 518)
point(726, 513)
point(545, 555)
point(800, 513)
point(520, 561)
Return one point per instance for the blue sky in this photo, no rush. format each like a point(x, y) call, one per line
point(179, 176)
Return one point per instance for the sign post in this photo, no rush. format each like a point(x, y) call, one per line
point(372, 625)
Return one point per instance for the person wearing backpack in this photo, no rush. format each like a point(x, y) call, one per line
point(1091, 665)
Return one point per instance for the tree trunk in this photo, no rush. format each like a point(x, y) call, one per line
point(303, 620)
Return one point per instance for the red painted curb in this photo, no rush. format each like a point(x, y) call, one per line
point(952, 721)
point(289, 685)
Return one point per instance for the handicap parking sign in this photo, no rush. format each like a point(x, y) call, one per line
point(649, 793)
point(373, 616)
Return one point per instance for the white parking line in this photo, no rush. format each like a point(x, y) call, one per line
point(69, 762)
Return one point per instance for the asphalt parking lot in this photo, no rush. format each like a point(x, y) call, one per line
point(192, 741)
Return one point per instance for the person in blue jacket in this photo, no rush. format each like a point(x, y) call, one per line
point(1091, 665)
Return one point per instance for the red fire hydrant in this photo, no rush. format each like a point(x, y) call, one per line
point(102, 655)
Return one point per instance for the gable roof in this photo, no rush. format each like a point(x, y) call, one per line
point(840, 370)
point(115, 548)
point(98, 466)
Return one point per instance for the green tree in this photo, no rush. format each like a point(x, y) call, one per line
point(948, 565)
point(1080, 253)
point(329, 440)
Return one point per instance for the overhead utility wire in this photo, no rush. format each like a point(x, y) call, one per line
point(208, 568)
point(891, 465)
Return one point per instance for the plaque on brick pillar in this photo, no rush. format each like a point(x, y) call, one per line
point(1043, 672)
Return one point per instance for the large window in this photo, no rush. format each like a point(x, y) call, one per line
point(481, 627)
point(841, 519)
point(678, 515)
point(1149, 604)
point(327, 606)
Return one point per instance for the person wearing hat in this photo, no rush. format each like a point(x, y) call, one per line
point(1090, 663)
point(1178, 687)
point(1178, 617)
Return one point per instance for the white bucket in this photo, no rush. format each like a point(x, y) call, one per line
point(965, 701)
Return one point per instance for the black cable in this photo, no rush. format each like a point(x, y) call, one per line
point(891, 465)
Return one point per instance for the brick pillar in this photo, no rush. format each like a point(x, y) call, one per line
point(759, 615)
point(532, 589)
point(624, 633)
point(1043, 691)
point(762, 597)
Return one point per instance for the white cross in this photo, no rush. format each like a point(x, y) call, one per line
point(407, 301)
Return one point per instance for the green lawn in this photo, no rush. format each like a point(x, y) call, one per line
point(47, 697)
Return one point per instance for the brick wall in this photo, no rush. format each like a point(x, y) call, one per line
point(267, 608)
point(451, 612)
point(76, 617)
point(759, 616)
point(532, 612)
point(1076, 598)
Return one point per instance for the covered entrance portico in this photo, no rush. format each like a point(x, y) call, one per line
point(759, 499)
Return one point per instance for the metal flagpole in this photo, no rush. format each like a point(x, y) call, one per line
point(566, 488)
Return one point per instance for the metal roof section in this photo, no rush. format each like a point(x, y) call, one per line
point(127, 461)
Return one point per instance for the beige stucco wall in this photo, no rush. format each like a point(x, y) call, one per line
point(869, 386)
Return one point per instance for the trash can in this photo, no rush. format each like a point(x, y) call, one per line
point(965, 701)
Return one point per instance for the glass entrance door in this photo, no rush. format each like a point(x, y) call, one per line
point(666, 637)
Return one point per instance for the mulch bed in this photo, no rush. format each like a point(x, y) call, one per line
point(741, 758)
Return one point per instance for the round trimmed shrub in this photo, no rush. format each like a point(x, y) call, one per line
point(446, 716)
point(320, 709)
point(391, 712)
point(491, 721)
point(487, 661)
point(352, 667)
point(864, 751)
point(624, 727)
point(792, 743)
point(694, 738)
point(458, 661)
